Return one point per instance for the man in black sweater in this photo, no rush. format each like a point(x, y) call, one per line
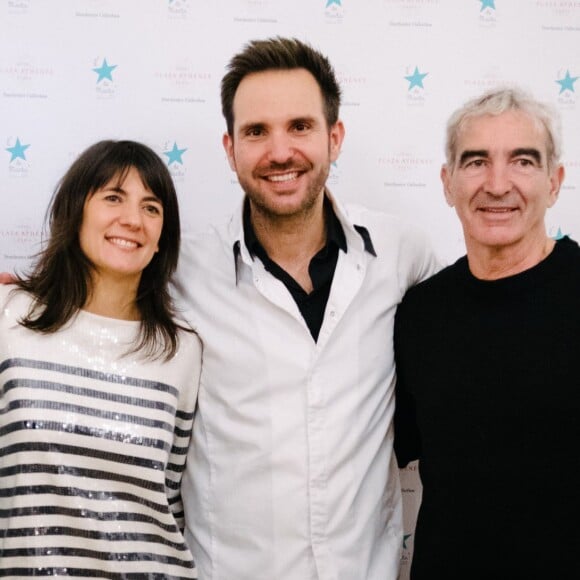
point(488, 361)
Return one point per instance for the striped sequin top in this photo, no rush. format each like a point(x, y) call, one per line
point(92, 447)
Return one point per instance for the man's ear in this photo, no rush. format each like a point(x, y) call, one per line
point(228, 144)
point(446, 180)
point(337, 132)
point(556, 180)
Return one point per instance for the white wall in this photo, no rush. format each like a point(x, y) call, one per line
point(167, 58)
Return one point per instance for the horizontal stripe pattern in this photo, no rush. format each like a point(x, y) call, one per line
point(91, 461)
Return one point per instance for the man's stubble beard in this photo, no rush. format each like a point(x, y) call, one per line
point(260, 201)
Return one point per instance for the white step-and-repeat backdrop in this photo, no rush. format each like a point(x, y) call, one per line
point(76, 71)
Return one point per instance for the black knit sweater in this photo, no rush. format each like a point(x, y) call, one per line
point(488, 398)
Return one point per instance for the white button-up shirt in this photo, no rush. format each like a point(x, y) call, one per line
point(291, 475)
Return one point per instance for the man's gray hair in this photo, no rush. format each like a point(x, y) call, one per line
point(498, 101)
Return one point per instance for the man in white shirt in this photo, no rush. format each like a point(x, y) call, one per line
point(291, 474)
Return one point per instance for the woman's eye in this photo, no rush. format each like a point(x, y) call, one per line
point(153, 209)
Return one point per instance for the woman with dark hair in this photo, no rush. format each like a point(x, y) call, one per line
point(98, 382)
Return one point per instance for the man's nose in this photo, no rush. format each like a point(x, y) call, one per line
point(280, 147)
point(498, 180)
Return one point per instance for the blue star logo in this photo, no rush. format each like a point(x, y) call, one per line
point(558, 235)
point(331, 2)
point(174, 156)
point(567, 83)
point(105, 71)
point(405, 538)
point(17, 151)
point(416, 79)
point(487, 4)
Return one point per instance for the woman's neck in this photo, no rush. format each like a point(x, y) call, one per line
point(113, 298)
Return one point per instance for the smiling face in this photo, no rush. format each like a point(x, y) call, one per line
point(281, 147)
point(501, 184)
point(120, 229)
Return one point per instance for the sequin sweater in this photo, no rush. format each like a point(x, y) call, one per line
point(92, 447)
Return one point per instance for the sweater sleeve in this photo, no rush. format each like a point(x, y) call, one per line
point(407, 436)
point(183, 428)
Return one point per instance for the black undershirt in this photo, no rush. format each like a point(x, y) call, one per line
point(321, 268)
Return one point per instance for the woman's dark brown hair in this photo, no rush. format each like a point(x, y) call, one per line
point(60, 281)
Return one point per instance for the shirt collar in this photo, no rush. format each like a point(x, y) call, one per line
point(335, 231)
point(366, 237)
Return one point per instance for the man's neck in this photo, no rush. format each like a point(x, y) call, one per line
point(501, 262)
point(292, 241)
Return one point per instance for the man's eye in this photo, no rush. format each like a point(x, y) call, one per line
point(524, 162)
